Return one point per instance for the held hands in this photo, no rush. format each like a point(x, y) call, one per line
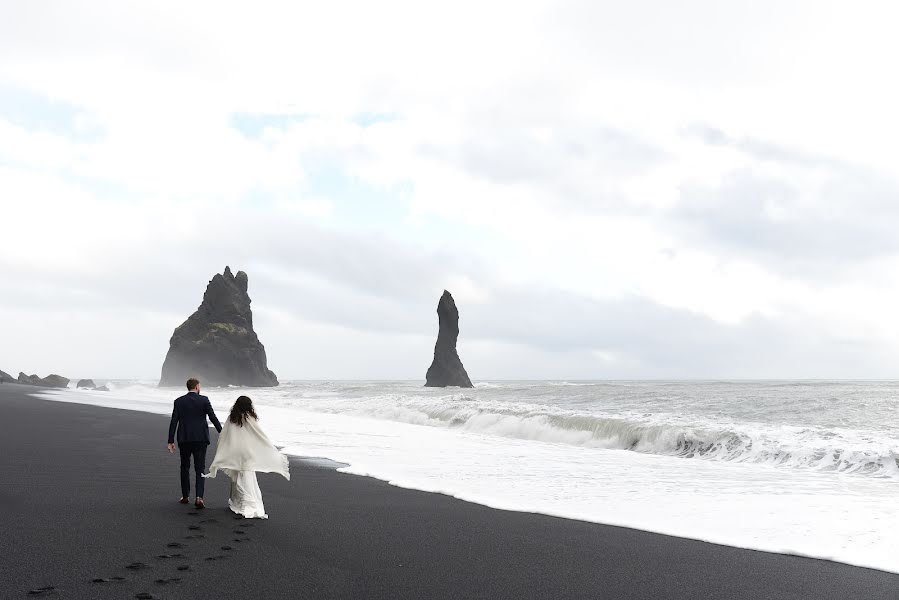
point(171, 448)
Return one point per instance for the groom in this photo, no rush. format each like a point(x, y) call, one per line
point(189, 418)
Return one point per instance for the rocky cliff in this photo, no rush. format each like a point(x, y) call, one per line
point(6, 378)
point(446, 369)
point(217, 344)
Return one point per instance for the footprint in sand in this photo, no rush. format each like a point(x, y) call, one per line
point(107, 579)
point(196, 536)
point(194, 527)
point(168, 581)
point(216, 557)
point(137, 566)
point(43, 591)
point(184, 567)
point(175, 545)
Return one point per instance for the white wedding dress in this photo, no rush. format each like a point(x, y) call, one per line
point(242, 451)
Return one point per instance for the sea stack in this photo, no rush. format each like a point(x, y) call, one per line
point(447, 369)
point(217, 344)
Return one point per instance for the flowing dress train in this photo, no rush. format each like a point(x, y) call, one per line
point(244, 450)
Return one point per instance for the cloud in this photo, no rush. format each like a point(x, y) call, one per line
point(540, 163)
point(792, 210)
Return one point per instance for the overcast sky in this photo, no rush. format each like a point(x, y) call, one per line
point(609, 189)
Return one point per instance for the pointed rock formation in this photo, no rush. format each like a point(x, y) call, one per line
point(447, 369)
point(217, 344)
point(6, 378)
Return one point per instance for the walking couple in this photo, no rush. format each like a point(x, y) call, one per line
point(243, 449)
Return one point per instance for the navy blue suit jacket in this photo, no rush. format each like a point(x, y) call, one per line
point(189, 419)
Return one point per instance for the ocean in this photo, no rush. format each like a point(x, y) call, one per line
point(797, 467)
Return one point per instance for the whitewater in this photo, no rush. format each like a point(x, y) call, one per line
point(796, 467)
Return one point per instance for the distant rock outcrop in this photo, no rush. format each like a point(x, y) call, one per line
point(88, 384)
point(447, 369)
point(6, 377)
point(217, 344)
point(28, 379)
point(52, 380)
point(55, 381)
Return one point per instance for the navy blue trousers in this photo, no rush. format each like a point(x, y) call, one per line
point(197, 451)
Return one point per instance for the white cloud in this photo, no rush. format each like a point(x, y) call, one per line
point(724, 168)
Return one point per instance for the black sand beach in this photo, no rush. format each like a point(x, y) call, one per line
point(88, 491)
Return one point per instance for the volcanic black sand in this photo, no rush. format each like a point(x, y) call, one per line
point(89, 509)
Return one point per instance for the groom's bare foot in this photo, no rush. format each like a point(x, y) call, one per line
point(184, 500)
point(199, 503)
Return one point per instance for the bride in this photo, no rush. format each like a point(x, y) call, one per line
point(244, 449)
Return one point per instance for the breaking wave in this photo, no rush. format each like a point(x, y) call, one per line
point(757, 443)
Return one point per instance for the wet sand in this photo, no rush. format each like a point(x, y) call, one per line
point(91, 493)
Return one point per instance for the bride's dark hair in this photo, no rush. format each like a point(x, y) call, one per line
point(242, 409)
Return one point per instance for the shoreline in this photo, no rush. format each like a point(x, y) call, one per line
point(791, 512)
point(100, 482)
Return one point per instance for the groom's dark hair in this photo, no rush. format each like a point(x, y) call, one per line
point(192, 383)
